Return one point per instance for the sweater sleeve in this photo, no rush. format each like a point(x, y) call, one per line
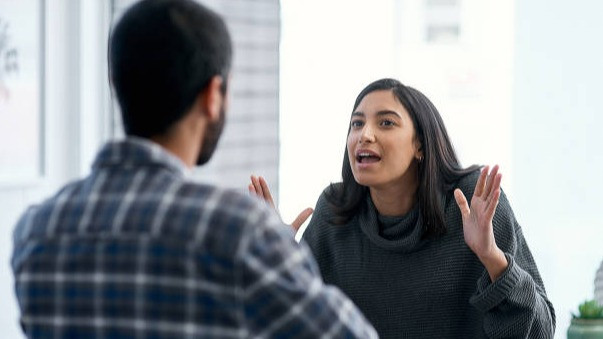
point(516, 304)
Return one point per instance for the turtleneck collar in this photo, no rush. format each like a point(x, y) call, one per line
point(398, 234)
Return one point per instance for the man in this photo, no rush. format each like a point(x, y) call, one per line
point(137, 249)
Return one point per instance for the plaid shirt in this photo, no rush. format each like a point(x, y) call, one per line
point(136, 250)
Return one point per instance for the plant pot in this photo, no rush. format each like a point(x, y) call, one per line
point(585, 329)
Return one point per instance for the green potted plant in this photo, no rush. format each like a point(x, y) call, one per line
point(588, 324)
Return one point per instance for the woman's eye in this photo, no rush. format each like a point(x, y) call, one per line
point(387, 123)
point(356, 123)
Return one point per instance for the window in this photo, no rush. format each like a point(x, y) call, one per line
point(442, 21)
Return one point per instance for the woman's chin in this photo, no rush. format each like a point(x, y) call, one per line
point(364, 181)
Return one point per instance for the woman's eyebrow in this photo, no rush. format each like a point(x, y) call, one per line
point(388, 112)
point(380, 113)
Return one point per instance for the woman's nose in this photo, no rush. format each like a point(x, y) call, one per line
point(367, 135)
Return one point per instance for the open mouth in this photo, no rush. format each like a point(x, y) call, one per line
point(367, 158)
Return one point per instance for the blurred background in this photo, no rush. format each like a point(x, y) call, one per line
point(516, 82)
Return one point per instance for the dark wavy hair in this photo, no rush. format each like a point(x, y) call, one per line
point(162, 54)
point(438, 172)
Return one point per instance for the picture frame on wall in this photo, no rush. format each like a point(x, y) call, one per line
point(21, 92)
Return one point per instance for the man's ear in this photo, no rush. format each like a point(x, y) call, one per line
point(212, 98)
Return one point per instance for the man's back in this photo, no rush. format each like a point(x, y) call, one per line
point(136, 249)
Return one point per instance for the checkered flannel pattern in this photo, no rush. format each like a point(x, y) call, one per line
point(137, 250)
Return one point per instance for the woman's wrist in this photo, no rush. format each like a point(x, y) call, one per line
point(495, 263)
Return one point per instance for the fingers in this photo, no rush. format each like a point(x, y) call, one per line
point(266, 191)
point(301, 218)
point(461, 201)
point(481, 182)
point(490, 180)
point(496, 182)
point(255, 181)
point(260, 188)
point(494, 197)
point(491, 208)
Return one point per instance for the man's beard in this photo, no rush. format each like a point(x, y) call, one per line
point(211, 138)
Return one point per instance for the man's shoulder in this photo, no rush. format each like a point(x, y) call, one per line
point(223, 206)
point(39, 213)
point(46, 205)
point(176, 208)
point(215, 197)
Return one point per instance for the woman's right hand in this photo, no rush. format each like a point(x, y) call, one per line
point(259, 187)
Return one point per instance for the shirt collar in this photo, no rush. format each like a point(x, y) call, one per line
point(135, 151)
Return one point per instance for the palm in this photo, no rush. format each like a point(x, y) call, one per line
point(477, 218)
point(259, 187)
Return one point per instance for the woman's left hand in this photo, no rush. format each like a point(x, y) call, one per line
point(477, 221)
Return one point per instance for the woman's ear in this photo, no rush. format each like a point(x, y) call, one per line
point(418, 150)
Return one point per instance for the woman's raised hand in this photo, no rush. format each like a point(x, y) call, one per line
point(477, 221)
point(259, 187)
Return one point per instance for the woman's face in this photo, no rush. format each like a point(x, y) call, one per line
point(381, 144)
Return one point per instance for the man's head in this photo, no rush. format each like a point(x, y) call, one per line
point(162, 55)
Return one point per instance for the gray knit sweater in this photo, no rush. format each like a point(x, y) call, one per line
point(410, 287)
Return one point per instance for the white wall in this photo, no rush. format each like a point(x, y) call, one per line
point(330, 50)
point(469, 81)
point(558, 115)
point(75, 85)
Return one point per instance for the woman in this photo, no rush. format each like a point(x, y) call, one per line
point(399, 237)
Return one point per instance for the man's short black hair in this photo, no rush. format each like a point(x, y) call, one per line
point(162, 54)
